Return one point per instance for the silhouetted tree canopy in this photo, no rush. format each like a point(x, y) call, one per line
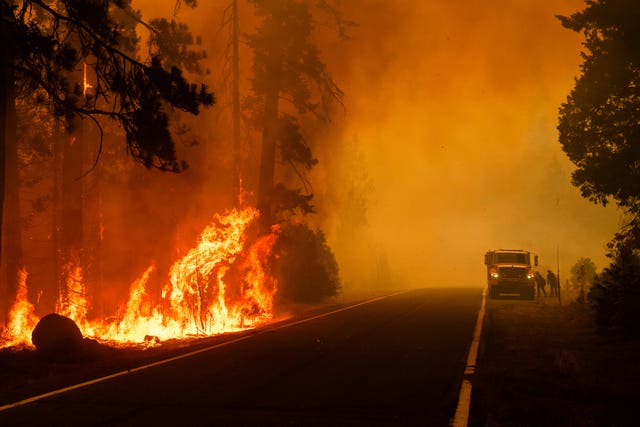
point(305, 267)
point(583, 272)
point(600, 132)
point(288, 67)
point(287, 60)
point(615, 293)
point(43, 43)
point(173, 41)
point(600, 121)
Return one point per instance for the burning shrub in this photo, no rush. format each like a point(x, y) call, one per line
point(304, 265)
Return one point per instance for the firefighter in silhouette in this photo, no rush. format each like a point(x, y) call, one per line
point(553, 283)
point(540, 283)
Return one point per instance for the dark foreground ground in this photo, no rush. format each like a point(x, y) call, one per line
point(542, 364)
point(394, 361)
point(25, 373)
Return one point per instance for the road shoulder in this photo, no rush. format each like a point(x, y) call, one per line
point(544, 364)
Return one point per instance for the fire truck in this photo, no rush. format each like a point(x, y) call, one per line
point(511, 272)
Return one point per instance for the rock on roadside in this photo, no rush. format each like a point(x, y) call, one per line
point(57, 338)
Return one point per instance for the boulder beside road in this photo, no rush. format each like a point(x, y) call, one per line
point(57, 337)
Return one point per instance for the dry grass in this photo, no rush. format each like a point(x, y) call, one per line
point(543, 364)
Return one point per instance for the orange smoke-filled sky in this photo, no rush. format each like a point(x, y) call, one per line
point(455, 105)
point(449, 131)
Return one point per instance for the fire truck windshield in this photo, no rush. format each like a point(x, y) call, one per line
point(510, 257)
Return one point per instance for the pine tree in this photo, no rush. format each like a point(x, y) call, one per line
point(43, 45)
point(287, 66)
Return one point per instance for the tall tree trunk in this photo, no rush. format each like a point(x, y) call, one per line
point(56, 218)
point(268, 159)
point(70, 243)
point(237, 175)
point(73, 156)
point(92, 217)
point(12, 218)
point(71, 226)
point(5, 83)
point(72, 190)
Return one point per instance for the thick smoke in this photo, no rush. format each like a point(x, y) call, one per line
point(452, 107)
point(447, 144)
point(446, 147)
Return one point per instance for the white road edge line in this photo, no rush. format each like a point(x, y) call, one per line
point(183, 356)
point(461, 418)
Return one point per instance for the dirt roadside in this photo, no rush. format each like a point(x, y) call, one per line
point(543, 364)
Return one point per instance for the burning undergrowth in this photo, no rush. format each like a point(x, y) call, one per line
point(220, 285)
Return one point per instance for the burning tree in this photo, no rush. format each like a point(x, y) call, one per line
point(43, 45)
point(225, 281)
point(221, 284)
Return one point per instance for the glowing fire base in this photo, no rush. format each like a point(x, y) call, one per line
point(198, 299)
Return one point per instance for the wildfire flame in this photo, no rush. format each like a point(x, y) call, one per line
point(21, 318)
point(218, 286)
point(72, 299)
point(85, 83)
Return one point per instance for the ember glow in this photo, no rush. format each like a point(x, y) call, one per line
point(220, 285)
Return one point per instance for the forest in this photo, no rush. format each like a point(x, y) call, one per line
point(182, 159)
point(119, 210)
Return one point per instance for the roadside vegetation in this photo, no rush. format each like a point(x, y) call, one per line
point(599, 131)
point(545, 364)
point(615, 294)
point(542, 363)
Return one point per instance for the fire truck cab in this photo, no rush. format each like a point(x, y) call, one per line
point(511, 271)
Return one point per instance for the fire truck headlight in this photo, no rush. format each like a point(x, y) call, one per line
point(495, 275)
point(530, 276)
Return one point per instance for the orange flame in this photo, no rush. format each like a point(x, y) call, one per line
point(21, 318)
point(135, 326)
point(85, 83)
point(72, 299)
point(218, 286)
point(258, 287)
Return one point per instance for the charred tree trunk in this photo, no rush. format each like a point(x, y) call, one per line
point(268, 159)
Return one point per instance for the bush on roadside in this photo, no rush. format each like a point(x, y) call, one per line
point(582, 274)
point(615, 293)
point(304, 265)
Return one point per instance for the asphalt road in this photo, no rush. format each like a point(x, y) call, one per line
point(395, 361)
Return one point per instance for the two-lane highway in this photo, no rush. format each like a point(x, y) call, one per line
point(394, 361)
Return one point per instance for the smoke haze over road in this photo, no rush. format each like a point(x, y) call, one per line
point(447, 145)
point(454, 108)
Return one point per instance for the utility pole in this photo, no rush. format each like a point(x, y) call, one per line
point(558, 275)
point(237, 176)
